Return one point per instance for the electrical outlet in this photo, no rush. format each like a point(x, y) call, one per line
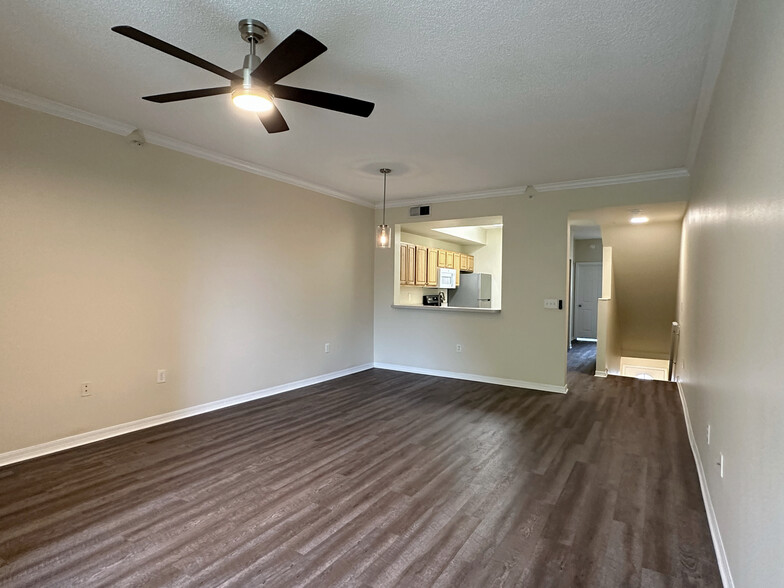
point(161, 377)
point(326, 347)
point(86, 389)
point(707, 433)
point(459, 348)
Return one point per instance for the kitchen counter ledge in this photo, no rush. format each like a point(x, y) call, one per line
point(447, 308)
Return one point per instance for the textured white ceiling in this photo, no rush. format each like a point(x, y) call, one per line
point(470, 96)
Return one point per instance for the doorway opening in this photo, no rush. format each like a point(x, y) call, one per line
point(637, 300)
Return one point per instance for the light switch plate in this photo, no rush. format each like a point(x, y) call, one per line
point(551, 303)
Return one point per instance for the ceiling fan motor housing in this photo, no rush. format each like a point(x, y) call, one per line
point(251, 29)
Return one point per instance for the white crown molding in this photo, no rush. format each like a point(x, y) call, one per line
point(473, 378)
point(713, 62)
point(666, 174)
point(713, 523)
point(116, 430)
point(455, 197)
point(652, 176)
point(33, 102)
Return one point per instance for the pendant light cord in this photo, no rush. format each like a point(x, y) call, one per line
point(384, 209)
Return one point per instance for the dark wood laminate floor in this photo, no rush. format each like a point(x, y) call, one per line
point(376, 479)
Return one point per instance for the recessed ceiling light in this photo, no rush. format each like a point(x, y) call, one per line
point(638, 220)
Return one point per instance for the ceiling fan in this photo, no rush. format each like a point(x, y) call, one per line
point(254, 87)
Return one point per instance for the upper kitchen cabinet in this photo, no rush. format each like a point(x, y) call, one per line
point(420, 275)
point(432, 267)
point(407, 264)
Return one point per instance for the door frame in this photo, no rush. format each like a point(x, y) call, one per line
point(573, 321)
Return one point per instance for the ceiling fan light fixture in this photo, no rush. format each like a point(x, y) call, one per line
point(252, 99)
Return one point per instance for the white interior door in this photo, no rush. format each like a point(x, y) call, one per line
point(588, 290)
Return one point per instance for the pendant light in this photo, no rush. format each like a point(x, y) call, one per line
point(383, 234)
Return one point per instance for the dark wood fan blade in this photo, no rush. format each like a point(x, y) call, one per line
point(324, 100)
point(151, 41)
point(273, 121)
point(187, 94)
point(291, 54)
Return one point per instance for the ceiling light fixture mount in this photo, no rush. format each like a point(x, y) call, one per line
point(383, 232)
point(252, 31)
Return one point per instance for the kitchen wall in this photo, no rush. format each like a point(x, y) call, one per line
point(116, 261)
point(730, 297)
point(524, 342)
point(645, 266)
point(428, 242)
point(488, 260)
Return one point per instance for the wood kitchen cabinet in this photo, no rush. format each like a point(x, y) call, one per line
point(410, 264)
point(420, 272)
point(407, 264)
point(432, 267)
point(403, 265)
point(450, 259)
point(419, 265)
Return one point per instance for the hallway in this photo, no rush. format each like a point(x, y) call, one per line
point(582, 358)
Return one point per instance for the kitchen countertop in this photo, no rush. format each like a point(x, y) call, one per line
point(446, 308)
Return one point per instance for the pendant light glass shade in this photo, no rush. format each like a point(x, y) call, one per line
point(383, 232)
point(383, 237)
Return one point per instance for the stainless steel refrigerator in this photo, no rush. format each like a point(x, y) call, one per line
point(474, 291)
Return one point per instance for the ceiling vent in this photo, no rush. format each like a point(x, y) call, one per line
point(419, 211)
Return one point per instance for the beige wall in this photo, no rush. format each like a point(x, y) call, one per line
point(645, 270)
point(117, 260)
point(608, 353)
point(524, 341)
point(731, 283)
point(583, 251)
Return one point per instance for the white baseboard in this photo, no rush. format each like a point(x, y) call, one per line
point(718, 544)
point(601, 373)
point(100, 434)
point(473, 378)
